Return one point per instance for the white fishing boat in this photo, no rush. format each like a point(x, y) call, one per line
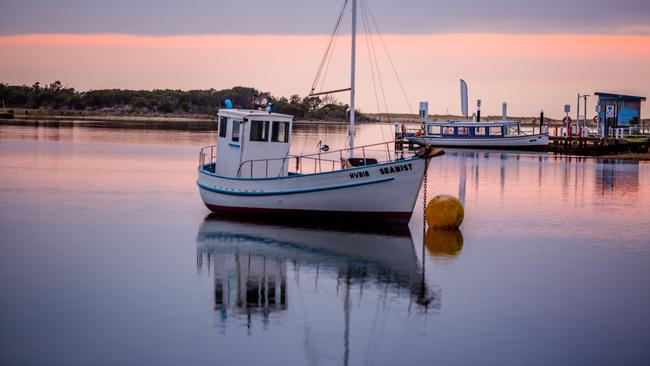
point(504, 134)
point(251, 169)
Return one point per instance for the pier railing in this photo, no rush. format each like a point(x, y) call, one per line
point(598, 132)
point(320, 162)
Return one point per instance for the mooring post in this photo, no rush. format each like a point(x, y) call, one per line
point(606, 128)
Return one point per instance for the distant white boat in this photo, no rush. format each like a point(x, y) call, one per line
point(502, 134)
point(251, 171)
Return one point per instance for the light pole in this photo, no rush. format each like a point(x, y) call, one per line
point(585, 109)
point(578, 112)
point(584, 121)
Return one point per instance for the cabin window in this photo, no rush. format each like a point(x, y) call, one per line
point(434, 130)
point(259, 131)
point(511, 130)
point(449, 131)
point(496, 131)
point(480, 131)
point(280, 132)
point(463, 131)
point(235, 131)
point(223, 126)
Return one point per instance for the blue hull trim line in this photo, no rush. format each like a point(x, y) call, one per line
point(311, 174)
point(293, 191)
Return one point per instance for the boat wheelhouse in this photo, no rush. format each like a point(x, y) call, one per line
point(252, 136)
point(494, 134)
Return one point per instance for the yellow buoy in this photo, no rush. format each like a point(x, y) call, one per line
point(445, 212)
point(443, 242)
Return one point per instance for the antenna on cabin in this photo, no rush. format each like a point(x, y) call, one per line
point(463, 98)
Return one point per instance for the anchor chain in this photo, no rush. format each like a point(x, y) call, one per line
point(424, 196)
point(423, 296)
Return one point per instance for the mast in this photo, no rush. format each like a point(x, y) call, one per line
point(352, 79)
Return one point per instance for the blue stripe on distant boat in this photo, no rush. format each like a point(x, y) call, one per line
point(292, 191)
point(312, 174)
point(233, 145)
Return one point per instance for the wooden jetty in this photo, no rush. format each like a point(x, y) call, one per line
point(594, 146)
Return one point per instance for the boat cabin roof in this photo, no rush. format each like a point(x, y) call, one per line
point(473, 124)
point(248, 113)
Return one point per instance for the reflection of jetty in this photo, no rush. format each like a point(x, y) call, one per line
point(617, 174)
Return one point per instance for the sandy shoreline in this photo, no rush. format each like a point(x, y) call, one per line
point(192, 121)
point(39, 118)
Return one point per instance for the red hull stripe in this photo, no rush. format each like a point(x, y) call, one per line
point(401, 217)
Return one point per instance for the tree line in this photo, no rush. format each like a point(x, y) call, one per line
point(56, 96)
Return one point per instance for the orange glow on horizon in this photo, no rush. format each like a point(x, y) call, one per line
point(530, 72)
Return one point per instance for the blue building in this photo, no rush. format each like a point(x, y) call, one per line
point(628, 108)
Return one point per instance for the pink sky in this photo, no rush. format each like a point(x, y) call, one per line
point(530, 72)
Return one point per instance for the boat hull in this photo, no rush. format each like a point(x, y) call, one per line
point(385, 191)
point(529, 142)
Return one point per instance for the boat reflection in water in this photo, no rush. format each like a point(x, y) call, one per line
point(250, 260)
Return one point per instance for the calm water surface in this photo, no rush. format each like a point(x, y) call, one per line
point(108, 256)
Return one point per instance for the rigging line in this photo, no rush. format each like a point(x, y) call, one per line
point(372, 72)
point(406, 99)
point(329, 45)
point(304, 143)
point(329, 59)
point(381, 82)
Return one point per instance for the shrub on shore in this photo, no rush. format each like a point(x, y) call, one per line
point(56, 96)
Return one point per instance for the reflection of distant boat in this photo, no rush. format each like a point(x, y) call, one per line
point(249, 260)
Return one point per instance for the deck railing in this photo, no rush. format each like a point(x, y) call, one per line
point(320, 162)
point(208, 157)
